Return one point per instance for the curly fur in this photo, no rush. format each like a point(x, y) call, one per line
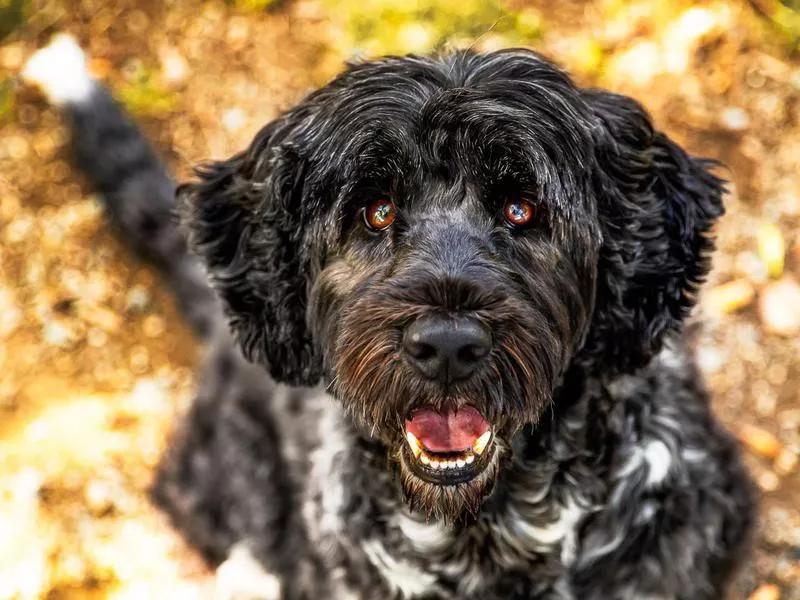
point(609, 478)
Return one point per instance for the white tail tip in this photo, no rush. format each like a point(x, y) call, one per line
point(59, 70)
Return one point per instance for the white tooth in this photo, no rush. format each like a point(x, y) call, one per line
point(435, 464)
point(425, 460)
point(470, 459)
point(445, 464)
point(461, 462)
point(453, 464)
point(480, 444)
point(416, 447)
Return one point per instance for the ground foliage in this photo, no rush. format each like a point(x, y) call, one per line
point(95, 364)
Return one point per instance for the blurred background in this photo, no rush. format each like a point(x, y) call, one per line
point(96, 366)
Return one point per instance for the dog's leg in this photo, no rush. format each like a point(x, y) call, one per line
point(680, 514)
point(133, 183)
point(664, 558)
point(228, 488)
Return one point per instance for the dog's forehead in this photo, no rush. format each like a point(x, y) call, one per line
point(498, 93)
point(478, 117)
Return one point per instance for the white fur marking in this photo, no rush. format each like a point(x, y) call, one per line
point(560, 530)
point(324, 520)
point(569, 547)
point(671, 358)
point(424, 537)
point(402, 576)
point(241, 576)
point(659, 461)
point(694, 455)
point(469, 574)
point(59, 69)
point(633, 464)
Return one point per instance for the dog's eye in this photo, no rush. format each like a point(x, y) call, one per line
point(519, 212)
point(380, 214)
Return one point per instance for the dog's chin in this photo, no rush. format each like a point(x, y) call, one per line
point(449, 487)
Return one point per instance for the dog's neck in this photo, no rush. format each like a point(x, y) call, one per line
point(550, 480)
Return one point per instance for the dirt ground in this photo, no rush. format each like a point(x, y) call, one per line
point(96, 365)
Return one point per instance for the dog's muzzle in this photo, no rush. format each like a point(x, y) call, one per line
point(447, 447)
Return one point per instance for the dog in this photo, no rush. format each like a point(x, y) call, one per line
point(448, 357)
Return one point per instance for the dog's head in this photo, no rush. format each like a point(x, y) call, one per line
point(440, 239)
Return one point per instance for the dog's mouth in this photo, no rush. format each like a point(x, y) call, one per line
point(448, 448)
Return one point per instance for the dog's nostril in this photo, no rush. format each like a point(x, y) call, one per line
point(420, 350)
point(446, 348)
point(472, 353)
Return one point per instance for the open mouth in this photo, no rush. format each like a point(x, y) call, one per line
point(448, 448)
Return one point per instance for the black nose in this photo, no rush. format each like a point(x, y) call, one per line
point(446, 348)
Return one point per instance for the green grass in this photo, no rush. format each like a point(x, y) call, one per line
point(382, 27)
point(6, 98)
point(12, 16)
point(143, 95)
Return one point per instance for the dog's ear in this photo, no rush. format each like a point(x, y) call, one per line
point(657, 207)
point(246, 221)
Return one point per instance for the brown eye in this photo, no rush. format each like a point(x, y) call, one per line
point(519, 212)
point(380, 214)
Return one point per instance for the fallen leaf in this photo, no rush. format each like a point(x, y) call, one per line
point(729, 297)
point(771, 248)
point(735, 119)
point(786, 461)
point(768, 591)
point(760, 441)
point(100, 68)
point(769, 481)
point(100, 316)
point(779, 307)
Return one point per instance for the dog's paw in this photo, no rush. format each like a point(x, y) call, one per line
point(241, 577)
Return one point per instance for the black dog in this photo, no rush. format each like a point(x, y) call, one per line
point(487, 269)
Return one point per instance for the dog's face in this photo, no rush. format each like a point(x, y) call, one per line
point(441, 239)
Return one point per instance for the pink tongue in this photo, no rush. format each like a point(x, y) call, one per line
point(450, 432)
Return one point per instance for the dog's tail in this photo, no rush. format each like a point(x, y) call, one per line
point(134, 185)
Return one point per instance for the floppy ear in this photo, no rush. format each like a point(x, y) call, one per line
point(657, 206)
point(245, 220)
